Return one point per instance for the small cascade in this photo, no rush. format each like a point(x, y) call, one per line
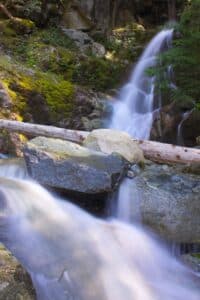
point(133, 112)
point(13, 168)
point(129, 208)
point(72, 255)
point(185, 116)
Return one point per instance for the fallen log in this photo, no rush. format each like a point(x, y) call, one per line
point(155, 151)
point(43, 130)
point(168, 153)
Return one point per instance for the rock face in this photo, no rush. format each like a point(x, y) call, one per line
point(176, 123)
point(109, 141)
point(5, 100)
point(190, 129)
point(15, 283)
point(85, 42)
point(91, 111)
point(68, 166)
point(169, 202)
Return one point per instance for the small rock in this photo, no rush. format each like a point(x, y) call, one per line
point(98, 49)
point(130, 174)
point(79, 37)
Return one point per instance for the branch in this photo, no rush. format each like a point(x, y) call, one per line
point(6, 12)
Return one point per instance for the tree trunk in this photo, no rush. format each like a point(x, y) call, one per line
point(172, 9)
point(43, 130)
point(154, 151)
point(168, 153)
point(6, 12)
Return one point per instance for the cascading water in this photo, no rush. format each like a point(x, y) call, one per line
point(71, 255)
point(133, 111)
point(185, 116)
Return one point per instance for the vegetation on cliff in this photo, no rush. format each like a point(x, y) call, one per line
point(40, 67)
point(184, 57)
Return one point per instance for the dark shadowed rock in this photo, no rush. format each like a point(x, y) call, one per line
point(65, 165)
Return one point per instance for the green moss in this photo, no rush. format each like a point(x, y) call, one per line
point(22, 26)
point(184, 56)
point(56, 92)
point(55, 37)
point(58, 95)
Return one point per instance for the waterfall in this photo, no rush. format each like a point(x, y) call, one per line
point(71, 255)
point(133, 112)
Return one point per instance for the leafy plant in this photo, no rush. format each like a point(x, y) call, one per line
point(184, 56)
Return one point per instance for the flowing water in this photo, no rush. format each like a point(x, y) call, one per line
point(71, 255)
point(133, 112)
point(180, 139)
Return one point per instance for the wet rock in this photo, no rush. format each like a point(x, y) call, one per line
point(169, 202)
point(110, 141)
point(192, 261)
point(68, 166)
point(15, 283)
point(11, 143)
point(190, 129)
point(130, 174)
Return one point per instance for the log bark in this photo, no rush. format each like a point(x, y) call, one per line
point(168, 153)
point(155, 151)
point(43, 130)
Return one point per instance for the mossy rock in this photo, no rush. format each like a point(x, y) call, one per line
point(48, 95)
point(22, 26)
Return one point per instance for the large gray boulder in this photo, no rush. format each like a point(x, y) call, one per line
point(65, 165)
point(109, 141)
point(169, 202)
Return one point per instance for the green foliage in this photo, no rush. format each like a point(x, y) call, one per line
point(56, 94)
point(125, 43)
point(55, 37)
point(98, 73)
point(184, 56)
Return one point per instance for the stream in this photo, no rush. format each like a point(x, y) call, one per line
point(70, 254)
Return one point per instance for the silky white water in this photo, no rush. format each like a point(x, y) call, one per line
point(133, 113)
point(72, 255)
point(185, 116)
point(133, 110)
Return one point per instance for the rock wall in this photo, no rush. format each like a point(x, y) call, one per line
point(104, 15)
